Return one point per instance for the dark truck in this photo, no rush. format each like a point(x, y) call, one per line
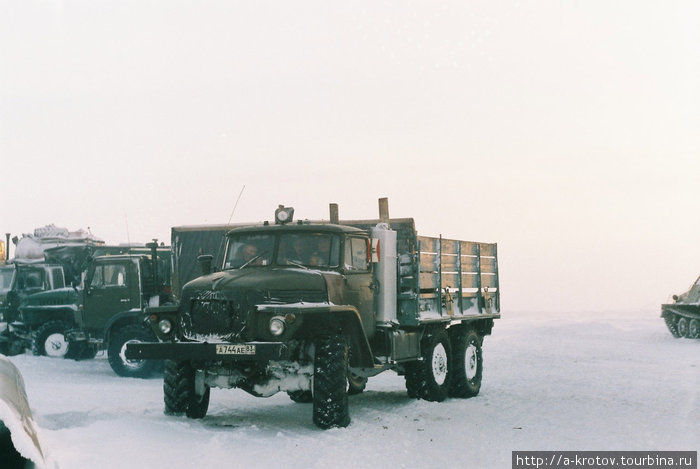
point(682, 317)
point(106, 311)
point(314, 309)
point(19, 280)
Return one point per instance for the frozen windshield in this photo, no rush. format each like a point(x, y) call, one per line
point(301, 249)
point(6, 276)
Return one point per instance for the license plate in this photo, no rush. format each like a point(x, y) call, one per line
point(228, 349)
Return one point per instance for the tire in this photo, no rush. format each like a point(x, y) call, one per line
point(682, 327)
point(694, 329)
point(428, 378)
point(356, 384)
point(467, 363)
point(50, 341)
point(301, 397)
point(129, 334)
point(182, 393)
point(671, 324)
point(329, 383)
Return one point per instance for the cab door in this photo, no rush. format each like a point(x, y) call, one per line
point(359, 280)
point(112, 287)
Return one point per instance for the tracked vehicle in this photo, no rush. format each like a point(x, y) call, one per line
point(315, 308)
point(682, 317)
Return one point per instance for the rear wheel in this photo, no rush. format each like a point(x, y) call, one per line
point(694, 329)
point(130, 334)
point(184, 390)
point(682, 327)
point(329, 383)
point(50, 339)
point(429, 378)
point(467, 363)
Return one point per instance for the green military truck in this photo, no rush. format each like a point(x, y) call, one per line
point(106, 311)
point(682, 317)
point(316, 308)
point(18, 281)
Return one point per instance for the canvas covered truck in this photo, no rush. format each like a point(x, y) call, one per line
point(314, 309)
point(682, 317)
point(105, 311)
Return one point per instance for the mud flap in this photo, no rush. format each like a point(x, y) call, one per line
point(16, 417)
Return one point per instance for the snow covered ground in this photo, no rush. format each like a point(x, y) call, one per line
point(604, 381)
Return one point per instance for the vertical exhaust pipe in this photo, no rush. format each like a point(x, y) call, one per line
point(384, 211)
point(154, 267)
point(335, 217)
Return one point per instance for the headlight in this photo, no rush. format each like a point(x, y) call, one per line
point(277, 326)
point(284, 215)
point(165, 326)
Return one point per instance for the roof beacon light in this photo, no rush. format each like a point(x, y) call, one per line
point(284, 215)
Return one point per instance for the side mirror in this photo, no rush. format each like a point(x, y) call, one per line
point(205, 261)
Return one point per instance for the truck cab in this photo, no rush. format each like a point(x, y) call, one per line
point(19, 280)
point(300, 264)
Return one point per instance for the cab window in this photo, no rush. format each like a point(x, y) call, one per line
point(28, 279)
point(57, 279)
point(249, 250)
point(109, 276)
point(309, 250)
point(356, 255)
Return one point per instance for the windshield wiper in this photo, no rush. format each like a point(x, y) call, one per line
point(291, 262)
point(253, 260)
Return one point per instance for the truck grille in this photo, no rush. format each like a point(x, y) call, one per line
point(212, 318)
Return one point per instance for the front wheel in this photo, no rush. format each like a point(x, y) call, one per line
point(329, 383)
point(50, 340)
point(184, 390)
point(467, 363)
point(428, 378)
point(130, 334)
point(682, 327)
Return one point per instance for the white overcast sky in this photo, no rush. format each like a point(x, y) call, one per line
point(566, 131)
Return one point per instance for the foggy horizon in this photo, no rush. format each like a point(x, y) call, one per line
point(565, 132)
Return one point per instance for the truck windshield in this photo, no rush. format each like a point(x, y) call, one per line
point(300, 249)
point(309, 250)
point(6, 276)
point(249, 250)
point(30, 278)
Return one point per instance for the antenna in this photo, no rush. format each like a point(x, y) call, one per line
point(223, 239)
point(236, 205)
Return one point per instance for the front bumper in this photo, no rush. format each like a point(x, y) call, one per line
point(229, 352)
